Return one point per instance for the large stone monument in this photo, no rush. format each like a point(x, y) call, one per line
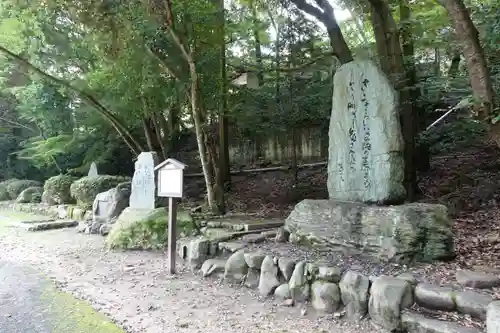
point(365, 172)
point(365, 155)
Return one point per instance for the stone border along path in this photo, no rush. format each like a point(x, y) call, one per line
point(387, 300)
point(336, 291)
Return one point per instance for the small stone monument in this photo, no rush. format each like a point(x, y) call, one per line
point(143, 183)
point(143, 191)
point(366, 172)
point(93, 170)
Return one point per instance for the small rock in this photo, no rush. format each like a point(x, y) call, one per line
point(354, 288)
point(408, 277)
point(325, 296)
point(282, 236)
point(477, 279)
point(300, 289)
point(82, 226)
point(269, 233)
point(268, 277)
point(197, 251)
point(231, 247)
point(282, 292)
point(330, 274)
point(253, 238)
point(472, 303)
point(389, 296)
point(416, 323)
point(435, 297)
point(253, 278)
point(94, 227)
point(105, 229)
point(254, 259)
point(493, 317)
point(303, 311)
point(236, 267)
point(288, 302)
point(212, 266)
point(286, 267)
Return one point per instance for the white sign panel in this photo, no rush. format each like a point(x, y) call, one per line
point(170, 182)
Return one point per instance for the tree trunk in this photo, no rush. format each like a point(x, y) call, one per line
point(392, 62)
point(224, 163)
point(480, 79)
point(200, 135)
point(326, 16)
point(422, 156)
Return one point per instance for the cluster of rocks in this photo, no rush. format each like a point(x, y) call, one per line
point(386, 300)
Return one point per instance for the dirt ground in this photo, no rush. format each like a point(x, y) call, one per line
point(134, 290)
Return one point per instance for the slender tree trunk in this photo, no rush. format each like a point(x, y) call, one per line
point(224, 163)
point(480, 79)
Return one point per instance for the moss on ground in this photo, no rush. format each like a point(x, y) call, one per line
point(147, 233)
point(72, 315)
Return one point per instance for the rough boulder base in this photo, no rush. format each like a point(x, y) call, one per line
point(365, 160)
point(412, 232)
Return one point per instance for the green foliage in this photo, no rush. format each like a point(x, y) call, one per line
point(454, 135)
point(85, 189)
point(56, 190)
point(150, 232)
point(31, 195)
point(16, 187)
point(4, 194)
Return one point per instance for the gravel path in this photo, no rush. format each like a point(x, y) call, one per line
point(135, 291)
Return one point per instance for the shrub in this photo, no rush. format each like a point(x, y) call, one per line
point(57, 190)
point(85, 189)
point(150, 232)
point(4, 194)
point(16, 187)
point(31, 195)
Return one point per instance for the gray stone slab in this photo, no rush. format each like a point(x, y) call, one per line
point(435, 297)
point(477, 280)
point(51, 225)
point(493, 317)
point(473, 303)
point(365, 159)
point(417, 323)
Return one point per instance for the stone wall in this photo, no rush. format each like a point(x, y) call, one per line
point(386, 300)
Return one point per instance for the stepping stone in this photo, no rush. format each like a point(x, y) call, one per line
point(253, 238)
point(416, 323)
point(50, 225)
point(435, 297)
point(477, 279)
point(231, 246)
point(472, 303)
point(493, 317)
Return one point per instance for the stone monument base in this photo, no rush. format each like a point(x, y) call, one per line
point(403, 233)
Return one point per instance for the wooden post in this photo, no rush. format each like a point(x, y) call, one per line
point(172, 233)
point(170, 183)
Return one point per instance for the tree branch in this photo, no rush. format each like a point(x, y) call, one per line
point(87, 97)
